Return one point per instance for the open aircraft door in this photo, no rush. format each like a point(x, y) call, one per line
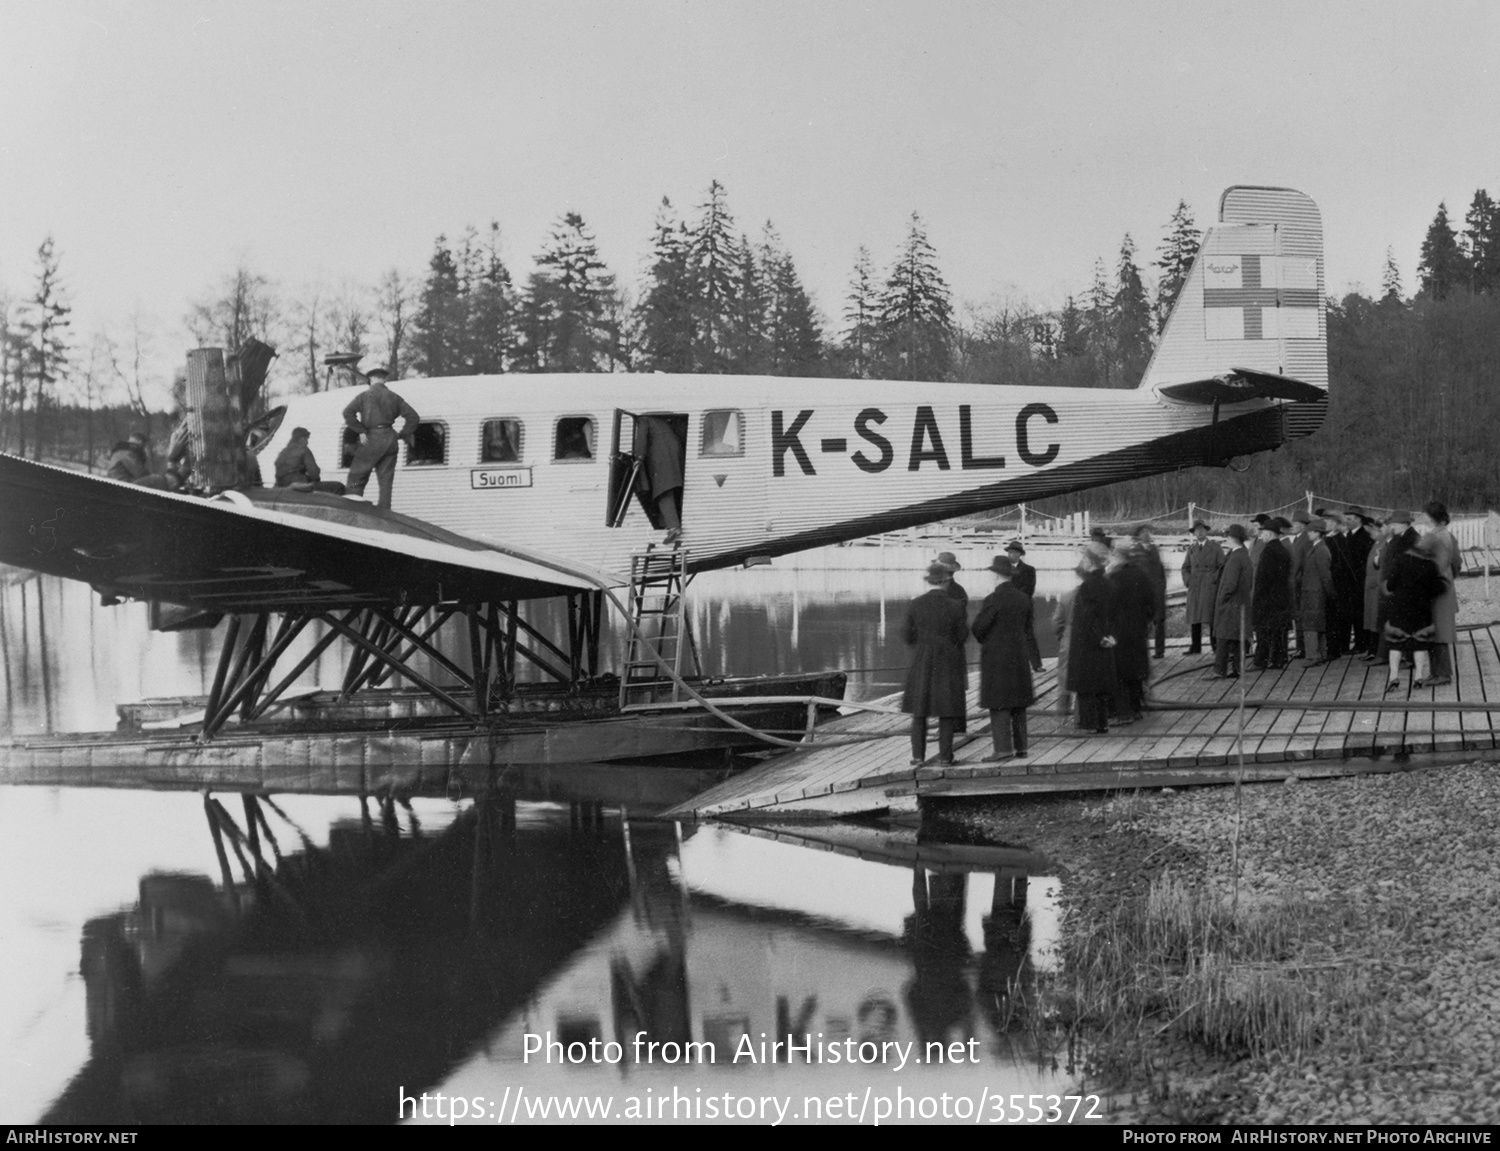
point(647, 458)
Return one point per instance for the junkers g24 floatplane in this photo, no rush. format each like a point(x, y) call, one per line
point(517, 488)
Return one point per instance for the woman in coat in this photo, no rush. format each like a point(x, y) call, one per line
point(1091, 656)
point(936, 628)
point(1200, 575)
point(1447, 560)
point(1415, 584)
point(1005, 689)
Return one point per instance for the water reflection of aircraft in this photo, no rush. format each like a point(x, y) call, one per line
point(318, 978)
point(509, 493)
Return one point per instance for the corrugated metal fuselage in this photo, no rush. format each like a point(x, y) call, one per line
point(812, 461)
point(773, 465)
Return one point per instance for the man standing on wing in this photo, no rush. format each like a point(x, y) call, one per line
point(373, 414)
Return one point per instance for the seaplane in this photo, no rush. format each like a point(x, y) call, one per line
point(515, 489)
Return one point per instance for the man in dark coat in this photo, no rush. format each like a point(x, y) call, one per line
point(296, 467)
point(1148, 559)
point(1023, 580)
point(1200, 574)
point(1005, 688)
point(660, 453)
point(373, 414)
point(1301, 544)
point(1271, 599)
point(1358, 543)
point(937, 682)
point(1315, 592)
point(1132, 606)
point(954, 591)
point(1091, 644)
point(1232, 604)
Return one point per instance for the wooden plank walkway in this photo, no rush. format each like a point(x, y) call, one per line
point(1192, 734)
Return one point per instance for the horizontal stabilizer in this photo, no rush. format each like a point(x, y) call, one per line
point(1240, 384)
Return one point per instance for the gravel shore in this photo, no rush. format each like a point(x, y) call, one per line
point(1396, 877)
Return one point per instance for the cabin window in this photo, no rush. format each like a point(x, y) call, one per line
point(429, 445)
point(350, 445)
point(500, 442)
point(724, 433)
point(575, 439)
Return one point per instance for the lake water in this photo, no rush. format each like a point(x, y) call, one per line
point(163, 964)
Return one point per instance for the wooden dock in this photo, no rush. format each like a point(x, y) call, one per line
point(1303, 721)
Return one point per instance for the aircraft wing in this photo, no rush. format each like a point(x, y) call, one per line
point(1240, 384)
point(266, 549)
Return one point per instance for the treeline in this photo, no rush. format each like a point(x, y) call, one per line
point(1413, 379)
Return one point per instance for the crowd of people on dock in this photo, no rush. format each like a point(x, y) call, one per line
point(1325, 585)
point(1340, 583)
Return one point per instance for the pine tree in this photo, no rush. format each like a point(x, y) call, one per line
point(916, 313)
point(794, 346)
point(862, 318)
point(43, 344)
point(439, 323)
point(567, 315)
point(489, 307)
point(713, 278)
point(1390, 279)
point(1132, 317)
point(1442, 267)
point(749, 355)
point(1178, 250)
point(1099, 325)
point(1481, 243)
point(665, 315)
point(1072, 336)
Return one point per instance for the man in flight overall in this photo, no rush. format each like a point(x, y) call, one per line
point(373, 414)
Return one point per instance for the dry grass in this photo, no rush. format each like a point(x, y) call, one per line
point(1186, 961)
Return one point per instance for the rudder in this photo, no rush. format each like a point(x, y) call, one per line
point(1254, 297)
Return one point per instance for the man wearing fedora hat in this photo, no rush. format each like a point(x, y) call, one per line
point(936, 628)
point(373, 415)
point(1005, 688)
point(1232, 604)
point(1316, 592)
point(1301, 543)
point(1144, 554)
point(1271, 596)
point(1023, 579)
point(949, 563)
point(1200, 574)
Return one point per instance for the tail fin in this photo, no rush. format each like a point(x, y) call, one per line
point(1254, 298)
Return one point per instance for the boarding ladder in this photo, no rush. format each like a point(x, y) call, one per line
point(659, 649)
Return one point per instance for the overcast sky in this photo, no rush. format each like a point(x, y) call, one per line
point(163, 143)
